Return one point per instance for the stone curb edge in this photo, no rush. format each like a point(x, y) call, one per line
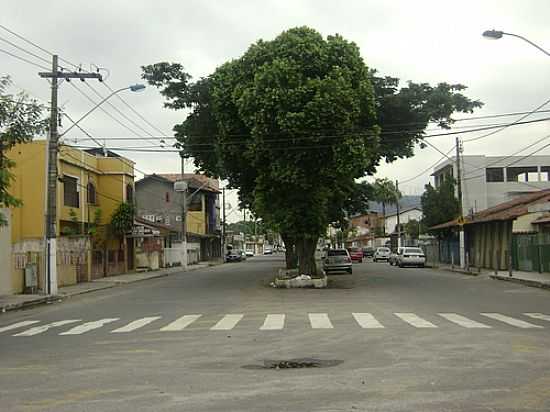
point(526, 282)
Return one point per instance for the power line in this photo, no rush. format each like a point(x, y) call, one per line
point(24, 59)
point(24, 50)
point(428, 169)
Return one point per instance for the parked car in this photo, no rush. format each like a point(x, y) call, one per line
point(249, 253)
point(411, 256)
point(381, 253)
point(356, 254)
point(234, 256)
point(392, 260)
point(337, 260)
point(268, 251)
point(368, 251)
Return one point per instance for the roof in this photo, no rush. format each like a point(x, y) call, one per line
point(195, 181)
point(504, 211)
point(99, 151)
point(401, 211)
point(543, 219)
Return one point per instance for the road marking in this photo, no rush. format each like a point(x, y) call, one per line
point(88, 326)
point(367, 321)
point(19, 325)
point(462, 320)
point(228, 322)
point(43, 328)
point(415, 320)
point(180, 323)
point(136, 324)
point(540, 316)
point(320, 321)
point(273, 322)
point(511, 321)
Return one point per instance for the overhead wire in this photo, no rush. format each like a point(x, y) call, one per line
point(24, 59)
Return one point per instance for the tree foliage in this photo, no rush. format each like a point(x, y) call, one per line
point(440, 205)
point(294, 122)
point(122, 220)
point(20, 121)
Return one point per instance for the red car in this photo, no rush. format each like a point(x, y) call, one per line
point(356, 254)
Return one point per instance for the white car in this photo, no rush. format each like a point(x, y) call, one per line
point(249, 253)
point(381, 253)
point(411, 256)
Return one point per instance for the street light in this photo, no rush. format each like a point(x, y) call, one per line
point(497, 34)
point(132, 88)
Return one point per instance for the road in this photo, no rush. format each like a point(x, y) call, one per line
point(387, 338)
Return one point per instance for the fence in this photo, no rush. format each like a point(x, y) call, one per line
point(531, 252)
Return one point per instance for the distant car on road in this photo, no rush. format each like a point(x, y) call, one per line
point(249, 253)
point(368, 251)
point(393, 256)
point(411, 256)
point(336, 260)
point(268, 251)
point(234, 256)
point(356, 254)
point(381, 253)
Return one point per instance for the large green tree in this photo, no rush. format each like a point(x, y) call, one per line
point(20, 121)
point(439, 205)
point(293, 123)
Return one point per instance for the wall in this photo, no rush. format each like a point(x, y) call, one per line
point(151, 200)
point(6, 287)
point(404, 217)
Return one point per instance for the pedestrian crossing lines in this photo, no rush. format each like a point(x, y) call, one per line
point(272, 322)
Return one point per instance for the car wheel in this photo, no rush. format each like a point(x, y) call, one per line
point(350, 271)
point(361, 261)
point(400, 264)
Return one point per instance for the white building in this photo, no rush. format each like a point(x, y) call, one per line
point(490, 180)
point(414, 213)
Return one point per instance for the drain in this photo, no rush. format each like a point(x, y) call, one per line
point(295, 364)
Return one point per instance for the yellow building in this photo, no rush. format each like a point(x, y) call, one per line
point(88, 181)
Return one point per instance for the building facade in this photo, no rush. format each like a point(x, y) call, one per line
point(490, 180)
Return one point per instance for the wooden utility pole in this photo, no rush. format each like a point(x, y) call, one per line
point(52, 175)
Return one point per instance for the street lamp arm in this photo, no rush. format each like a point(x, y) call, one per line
point(528, 41)
point(93, 108)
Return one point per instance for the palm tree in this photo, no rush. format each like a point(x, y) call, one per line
point(385, 192)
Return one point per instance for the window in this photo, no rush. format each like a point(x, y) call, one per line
point(92, 199)
point(494, 174)
point(545, 174)
point(522, 174)
point(70, 191)
point(195, 204)
point(129, 193)
point(167, 197)
point(337, 252)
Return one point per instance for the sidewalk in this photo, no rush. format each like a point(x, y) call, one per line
point(12, 302)
point(534, 279)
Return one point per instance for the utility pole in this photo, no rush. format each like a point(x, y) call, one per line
point(51, 187)
point(184, 213)
point(397, 210)
point(461, 239)
point(223, 222)
point(244, 228)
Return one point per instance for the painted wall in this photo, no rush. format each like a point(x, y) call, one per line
point(404, 217)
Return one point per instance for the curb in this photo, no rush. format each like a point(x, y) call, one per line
point(29, 303)
point(526, 282)
point(462, 272)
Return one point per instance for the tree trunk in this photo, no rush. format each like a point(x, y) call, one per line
point(290, 251)
point(384, 218)
point(305, 249)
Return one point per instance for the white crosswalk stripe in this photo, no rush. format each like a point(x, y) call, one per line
point(540, 316)
point(415, 320)
point(18, 325)
point(180, 323)
point(136, 324)
point(511, 321)
point(43, 328)
point(367, 321)
point(463, 321)
point(273, 322)
point(228, 322)
point(88, 326)
point(320, 321)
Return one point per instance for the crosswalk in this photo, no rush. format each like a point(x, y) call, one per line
point(275, 322)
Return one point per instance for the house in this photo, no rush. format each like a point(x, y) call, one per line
point(491, 180)
point(515, 232)
point(91, 185)
point(158, 202)
point(405, 215)
point(365, 228)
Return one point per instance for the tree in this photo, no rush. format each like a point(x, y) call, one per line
point(292, 123)
point(385, 192)
point(412, 228)
point(20, 121)
point(122, 220)
point(439, 205)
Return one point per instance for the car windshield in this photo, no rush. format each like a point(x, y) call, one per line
point(354, 249)
point(337, 252)
point(414, 250)
point(383, 249)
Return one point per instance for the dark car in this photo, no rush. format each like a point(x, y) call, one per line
point(234, 256)
point(368, 251)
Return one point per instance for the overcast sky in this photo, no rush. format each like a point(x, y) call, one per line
point(422, 41)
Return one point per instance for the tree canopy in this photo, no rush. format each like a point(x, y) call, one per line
point(439, 205)
point(20, 121)
point(294, 122)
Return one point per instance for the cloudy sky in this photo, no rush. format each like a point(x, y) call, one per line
point(422, 41)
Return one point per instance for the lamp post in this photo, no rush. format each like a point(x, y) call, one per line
point(52, 175)
point(497, 34)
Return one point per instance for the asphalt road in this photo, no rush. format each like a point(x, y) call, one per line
point(392, 340)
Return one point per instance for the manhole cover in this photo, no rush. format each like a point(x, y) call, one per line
point(295, 364)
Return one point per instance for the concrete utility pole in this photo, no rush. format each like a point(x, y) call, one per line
point(51, 187)
point(223, 222)
point(397, 210)
point(184, 214)
point(462, 250)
